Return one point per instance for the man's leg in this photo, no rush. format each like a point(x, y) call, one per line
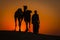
point(36, 28)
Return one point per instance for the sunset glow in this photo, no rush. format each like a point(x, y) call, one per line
point(47, 14)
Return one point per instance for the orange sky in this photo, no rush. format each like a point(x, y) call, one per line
point(47, 10)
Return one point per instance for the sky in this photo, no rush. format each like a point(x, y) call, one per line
point(48, 11)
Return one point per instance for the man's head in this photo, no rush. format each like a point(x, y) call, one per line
point(35, 11)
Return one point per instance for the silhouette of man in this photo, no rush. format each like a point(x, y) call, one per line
point(35, 22)
point(18, 16)
point(27, 17)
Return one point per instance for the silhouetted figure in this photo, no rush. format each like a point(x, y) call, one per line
point(27, 17)
point(18, 16)
point(35, 22)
